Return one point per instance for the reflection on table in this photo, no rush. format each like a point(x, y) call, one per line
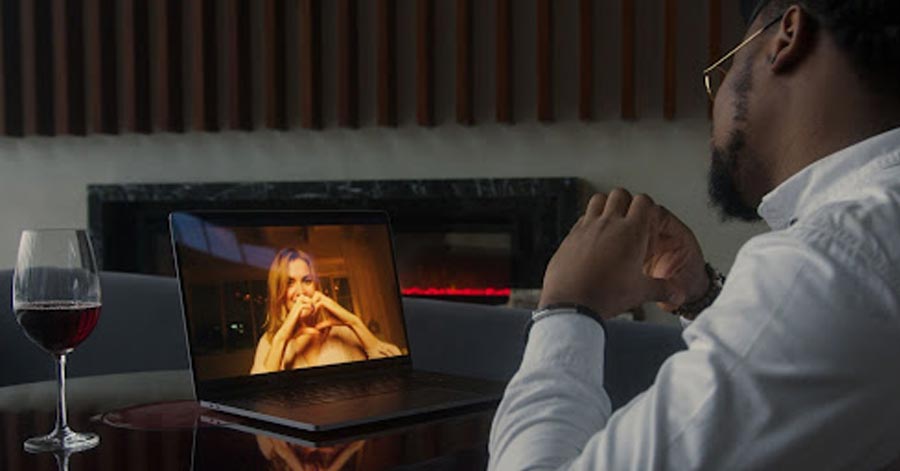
point(455, 440)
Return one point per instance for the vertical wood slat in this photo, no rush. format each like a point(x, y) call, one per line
point(229, 41)
point(585, 59)
point(2, 72)
point(29, 98)
point(504, 62)
point(93, 60)
point(425, 62)
point(267, 53)
point(310, 64)
point(244, 66)
point(73, 44)
point(464, 114)
point(44, 76)
point(544, 61)
point(160, 62)
point(386, 105)
point(347, 70)
point(210, 65)
point(198, 98)
point(628, 86)
point(104, 62)
point(273, 64)
point(142, 103)
point(228, 38)
point(60, 67)
point(44, 72)
point(174, 42)
point(12, 67)
point(670, 90)
point(126, 63)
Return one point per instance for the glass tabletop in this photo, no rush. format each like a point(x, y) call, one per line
point(146, 421)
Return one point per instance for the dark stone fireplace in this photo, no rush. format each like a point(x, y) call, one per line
point(472, 238)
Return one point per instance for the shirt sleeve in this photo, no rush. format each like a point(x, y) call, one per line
point(779, 373)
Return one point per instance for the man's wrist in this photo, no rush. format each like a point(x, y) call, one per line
point(553, 309)
point(690, 310)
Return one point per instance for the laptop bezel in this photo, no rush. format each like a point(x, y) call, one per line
point(211, 389)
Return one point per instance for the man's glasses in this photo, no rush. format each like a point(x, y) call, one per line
point(715, 74)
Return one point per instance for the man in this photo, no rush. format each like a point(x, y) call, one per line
point(794, 365)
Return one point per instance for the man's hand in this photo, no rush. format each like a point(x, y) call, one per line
point(600, 264)
point(675, 256)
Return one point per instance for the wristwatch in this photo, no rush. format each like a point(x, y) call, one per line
point(691, 310)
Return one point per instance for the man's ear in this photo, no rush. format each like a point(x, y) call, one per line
point(793, 40)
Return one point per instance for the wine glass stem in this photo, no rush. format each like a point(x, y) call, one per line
point(62, 424)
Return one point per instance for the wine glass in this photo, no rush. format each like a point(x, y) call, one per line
point(56, 298)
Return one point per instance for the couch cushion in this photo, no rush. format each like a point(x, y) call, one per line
point(140, 329)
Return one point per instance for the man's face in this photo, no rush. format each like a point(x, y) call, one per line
point(736, 172)
point(300, 281)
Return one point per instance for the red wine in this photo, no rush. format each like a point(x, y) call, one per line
point(58, 326)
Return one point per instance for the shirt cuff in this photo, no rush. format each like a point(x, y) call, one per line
point(567, 338)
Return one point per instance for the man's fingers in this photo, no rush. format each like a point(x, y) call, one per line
point(642, 208)
point(595, 205)
point(617, 203)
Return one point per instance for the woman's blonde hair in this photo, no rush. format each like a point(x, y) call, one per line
point(278, 285)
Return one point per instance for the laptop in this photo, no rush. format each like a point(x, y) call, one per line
point(295, 318)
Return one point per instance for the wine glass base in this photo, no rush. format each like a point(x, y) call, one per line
point(66, 441)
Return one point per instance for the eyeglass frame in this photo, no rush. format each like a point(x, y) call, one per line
point(718, 64)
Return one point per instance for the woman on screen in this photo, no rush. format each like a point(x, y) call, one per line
point(306, 328)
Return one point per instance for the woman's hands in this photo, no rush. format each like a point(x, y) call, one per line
point(373, 347)
point(383, 350)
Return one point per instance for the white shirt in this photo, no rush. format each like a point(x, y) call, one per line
point(795, 366)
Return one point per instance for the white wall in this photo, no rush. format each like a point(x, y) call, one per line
point(43, 180)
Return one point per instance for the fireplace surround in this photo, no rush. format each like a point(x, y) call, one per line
point(477, 239)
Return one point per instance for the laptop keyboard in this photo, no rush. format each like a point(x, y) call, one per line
point(345, 389)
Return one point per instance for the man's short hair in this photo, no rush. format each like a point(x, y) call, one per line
point(868, 31)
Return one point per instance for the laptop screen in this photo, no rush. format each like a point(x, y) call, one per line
point(278, 291)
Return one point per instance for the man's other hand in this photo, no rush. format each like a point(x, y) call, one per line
point(675, 256)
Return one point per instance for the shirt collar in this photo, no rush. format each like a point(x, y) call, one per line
point(808, 188)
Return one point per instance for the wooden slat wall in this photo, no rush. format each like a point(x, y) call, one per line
point(347, 74)
point(160, 63)
point(12, 68)
point(310, 64)
point(629, 110)
point(669, 58)
point(60, 69)
point(109, 67)
point(386, 67)
point(425, 62)
point(585, 60)
point(2, 75)
point(28, 63)
point(126, 63)
point(77, 67)
point(504, 62)
point(464, 67)
point(544, 60)
point(44, 72)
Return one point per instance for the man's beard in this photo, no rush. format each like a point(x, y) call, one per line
point(722, 180)
point(722, 183)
